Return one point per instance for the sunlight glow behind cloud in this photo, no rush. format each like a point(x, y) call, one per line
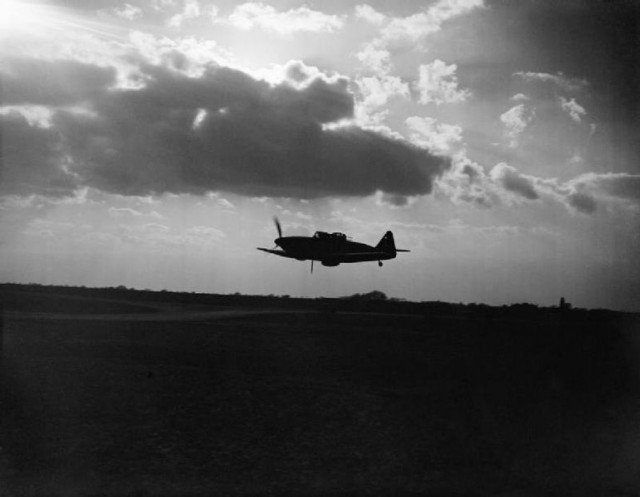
point(18, 15)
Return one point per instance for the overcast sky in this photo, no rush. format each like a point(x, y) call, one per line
point(149, 143)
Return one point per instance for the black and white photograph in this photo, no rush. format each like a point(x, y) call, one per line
point(324, 248)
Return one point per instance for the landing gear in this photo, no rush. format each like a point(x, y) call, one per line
point(379, 263)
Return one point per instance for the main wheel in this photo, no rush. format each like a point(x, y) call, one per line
point(380, 263)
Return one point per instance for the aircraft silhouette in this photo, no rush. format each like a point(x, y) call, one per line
point(332, 249)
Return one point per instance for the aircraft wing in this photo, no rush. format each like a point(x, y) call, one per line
point(281, 253)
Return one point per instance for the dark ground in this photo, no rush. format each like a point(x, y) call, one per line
point(144, 394)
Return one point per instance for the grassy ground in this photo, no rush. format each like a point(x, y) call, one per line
point(318, 403)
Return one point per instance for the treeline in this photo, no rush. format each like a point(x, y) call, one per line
point(375, 301)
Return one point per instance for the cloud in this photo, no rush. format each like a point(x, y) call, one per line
point(377, 90)
point(622, 186)
point(297, 74)
point(558, 79)
point(467, 182)
point(187, 55)
point(438, 137)
point(259, 15)
point(394, 201)
point(513, 181)
point(413, 28)
point(45, 228)
point(572, 108)
point(401, 33)
point(369, 14)
point(516, 119)
point(33, 160)
point(123, 211)
point(162, 4)
point(161, 237)
point(223, 202)
point(376, 59)
point(36, 115)
point(153, 228)
point(206, 232)
point(128, 11)
point(582, 202)
point(59, 83)
point(190, 10)
point(585, 192)
point(438, 84)
point(251, 138)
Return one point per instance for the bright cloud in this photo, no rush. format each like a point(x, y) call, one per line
point(438, 137)
point(413, 28)
point(559, 79)
point(123, 211)
point(571, 107)
point(259, 15)
point(407, 32)
point(438, 84)
point(467, 183)
point(190, 10)
point(36, 115)
point(187, 55)
point(375, 59)
point(377, 90)
point(516, 120)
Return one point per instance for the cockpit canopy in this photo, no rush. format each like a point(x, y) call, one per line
point(329, 236)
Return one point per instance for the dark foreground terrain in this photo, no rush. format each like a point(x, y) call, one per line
point(111, 392)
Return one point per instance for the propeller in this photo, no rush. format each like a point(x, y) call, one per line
point(278, 227)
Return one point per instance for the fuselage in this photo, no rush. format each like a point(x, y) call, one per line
point(330, 250)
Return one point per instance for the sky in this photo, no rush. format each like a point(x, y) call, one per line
point(149, 144)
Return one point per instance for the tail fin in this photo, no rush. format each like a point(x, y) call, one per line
point(387, 244)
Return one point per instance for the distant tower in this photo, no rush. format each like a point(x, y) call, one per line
point(564, 306)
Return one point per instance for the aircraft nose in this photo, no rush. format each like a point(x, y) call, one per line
point(282, 242)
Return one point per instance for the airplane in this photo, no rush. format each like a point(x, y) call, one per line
point(332, 249)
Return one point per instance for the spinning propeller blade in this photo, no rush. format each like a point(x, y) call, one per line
point(278, 227)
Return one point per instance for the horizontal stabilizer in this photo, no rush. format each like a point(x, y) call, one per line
point(402, 250)
point(357, 256)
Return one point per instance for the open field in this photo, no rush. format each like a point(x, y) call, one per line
point(148, 394)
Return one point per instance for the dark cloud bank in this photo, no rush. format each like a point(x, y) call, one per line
point(513, 181)
point(221, 131)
